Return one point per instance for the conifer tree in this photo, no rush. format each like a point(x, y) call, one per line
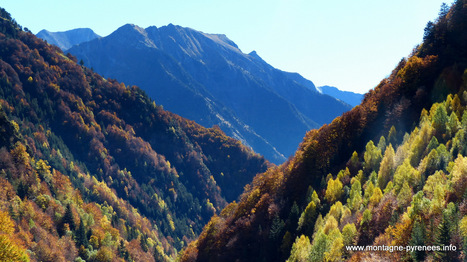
point(444, 237)
point(418, 239)
point(81, 239)
point(66, 219)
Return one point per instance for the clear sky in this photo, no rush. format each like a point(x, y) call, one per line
point(350, 44)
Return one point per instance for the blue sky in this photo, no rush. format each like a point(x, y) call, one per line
point(348, 44)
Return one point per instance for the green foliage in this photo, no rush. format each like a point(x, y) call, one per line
point(405, 173)
point(418, 239)
point(443, 237)
point(404, 195)
point(440, 120)
point(300, 250)
point(355, 197)
point(382, 144)
point(386, 169)
point(372, 157)
point(392, 136)
point(349, 234)
point(321, 245)
point(307, 218)
point(369, 189)
point(366, 218)
point(276, 228)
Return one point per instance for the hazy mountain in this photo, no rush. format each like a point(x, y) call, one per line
point(207, 78)
point(390, 172)
point(69, 38)
point(350, 98)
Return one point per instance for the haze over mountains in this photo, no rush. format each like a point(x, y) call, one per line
point(207, 78)
point(350, 98)
point(69, 38)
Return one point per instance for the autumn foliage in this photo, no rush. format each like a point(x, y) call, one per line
point(386, 173)
point(94, 170)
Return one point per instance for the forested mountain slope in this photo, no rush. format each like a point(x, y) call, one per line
point(391, 172)
point(93, 169)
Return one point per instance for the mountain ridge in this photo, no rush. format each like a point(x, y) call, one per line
point(66, 39)
point(350, 98)
point(221, 86)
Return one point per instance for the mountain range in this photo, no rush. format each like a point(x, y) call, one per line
point(69, 38)
point(348, 97)
point(208, 79)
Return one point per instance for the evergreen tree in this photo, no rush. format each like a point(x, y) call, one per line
point(276, 228)
point(66, 219)
point(418, 239)
point(444, 237)
point(81, 239)
point(293, 216)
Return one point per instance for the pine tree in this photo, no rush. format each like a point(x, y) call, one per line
point(276, 228)
point(418, 239)
point(66, 219)
point(81, 239)
point(444, 237)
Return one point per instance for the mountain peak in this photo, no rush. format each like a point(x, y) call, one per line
point(133, 35)
point(207, 78)
point(67, 39)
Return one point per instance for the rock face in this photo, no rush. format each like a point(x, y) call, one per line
point(67, 39)
point(207, 78)
point(350, 98)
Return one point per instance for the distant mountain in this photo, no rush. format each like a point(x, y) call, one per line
point(67, 39)
point(207, 78)
point(350, 98)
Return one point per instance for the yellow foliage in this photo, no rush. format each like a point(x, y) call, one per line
point(376, 197)
point(9, 250)
point(6, 225)
point(336, 210)
point(330, 226)
point(334, 190)
point(300, 250)
point(459, 175)
point(463, 226)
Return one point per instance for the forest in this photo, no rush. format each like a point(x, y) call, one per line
point(93, 170)
point(390, 172)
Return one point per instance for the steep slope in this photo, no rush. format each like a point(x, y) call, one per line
point(350, 98)
point(342, 189)
point(92, 168)
point(65, 40)
point(207, 78)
